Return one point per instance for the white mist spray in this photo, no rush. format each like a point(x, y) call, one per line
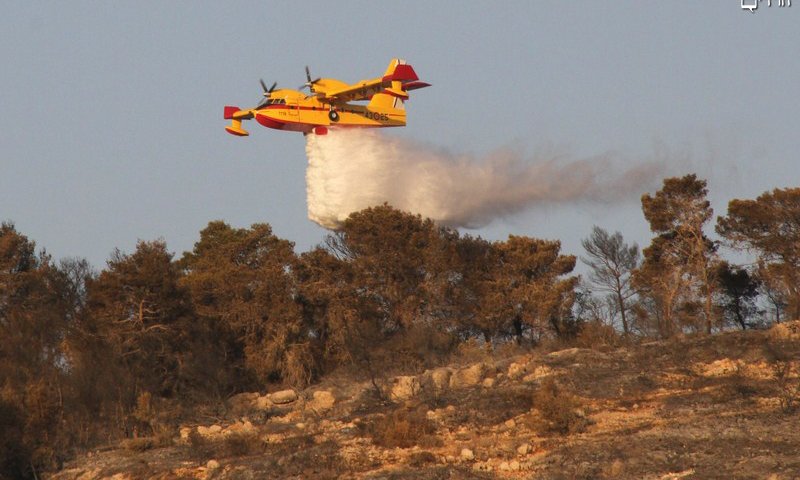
point(349, 170)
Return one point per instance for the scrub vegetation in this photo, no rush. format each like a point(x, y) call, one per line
point(153, 340)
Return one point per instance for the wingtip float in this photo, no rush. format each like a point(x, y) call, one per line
point(328, 104)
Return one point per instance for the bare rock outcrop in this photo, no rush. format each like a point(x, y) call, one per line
point(469, 376)
point(440, 378)
point(404, 387)
point(283, 397)
point(321, 401)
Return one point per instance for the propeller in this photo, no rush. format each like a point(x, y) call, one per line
point(267, 92)
point(309, 83)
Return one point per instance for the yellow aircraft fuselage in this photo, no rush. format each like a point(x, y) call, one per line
point(328, 105)
point(296, 112)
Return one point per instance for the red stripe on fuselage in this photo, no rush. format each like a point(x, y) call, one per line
point(268, 122)
point(344, 110)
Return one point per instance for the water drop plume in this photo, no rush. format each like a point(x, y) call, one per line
point(349, 170)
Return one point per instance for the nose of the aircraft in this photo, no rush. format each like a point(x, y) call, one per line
point(268, 122)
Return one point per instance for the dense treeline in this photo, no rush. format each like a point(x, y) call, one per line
point(88, 358)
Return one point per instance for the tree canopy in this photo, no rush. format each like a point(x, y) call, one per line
point(88, 357)
point(769, 226)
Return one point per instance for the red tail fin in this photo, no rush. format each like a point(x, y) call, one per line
point(229, 111)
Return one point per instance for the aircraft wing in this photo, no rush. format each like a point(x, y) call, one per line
point(359, 91)
point(364, 90)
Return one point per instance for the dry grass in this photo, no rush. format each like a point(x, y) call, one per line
point(656, 408)
point(302, 457)
point(142, 444)
point(559, 410)
point(420, 459)
point(483, 408)
point(198, 446)
point(598, 336)
point(781, 355)
point(241, 444)
point(238, 444)
point(402, 428)
point(787, 381)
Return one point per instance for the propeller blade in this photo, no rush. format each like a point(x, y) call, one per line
point(309, 83)
point(267, 92)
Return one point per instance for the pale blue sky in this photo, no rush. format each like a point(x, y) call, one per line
point(112, 128)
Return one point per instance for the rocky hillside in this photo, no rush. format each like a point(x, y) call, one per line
point(702, 407)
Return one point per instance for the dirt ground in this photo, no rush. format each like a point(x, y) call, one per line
point(696, 407)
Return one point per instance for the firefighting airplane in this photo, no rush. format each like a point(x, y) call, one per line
point(328, 106)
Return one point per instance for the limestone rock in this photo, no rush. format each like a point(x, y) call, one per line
point(467, 454)
point(244, 427)
point(468, 377)
point(206, 431)
point(405, 387)
point(283, 397)
point(516, 370)
point(540, 372)
point(211, 468)
point(263, 403)
point(578, 354)
point(273, 438)
point(440, 378)
point(616, 469)
point(321, 401)
point(720, 368)
point(89, 474)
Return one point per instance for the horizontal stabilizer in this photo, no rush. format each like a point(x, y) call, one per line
point(396, 93)
point(415, 85)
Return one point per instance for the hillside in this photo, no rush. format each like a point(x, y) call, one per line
point(719, 406)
